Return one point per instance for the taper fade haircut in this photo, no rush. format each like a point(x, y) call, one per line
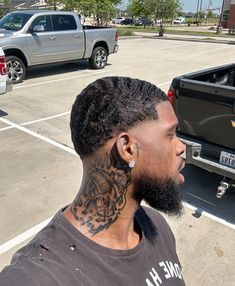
point(111, 105)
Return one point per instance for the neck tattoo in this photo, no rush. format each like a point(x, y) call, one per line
point(103, 196)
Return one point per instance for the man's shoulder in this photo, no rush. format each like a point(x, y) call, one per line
point(42, 259)
point(24, 272)
point(38, 268)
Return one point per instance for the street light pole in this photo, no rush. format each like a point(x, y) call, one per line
point(219, 28)
point(201, 6)
point(197, 9)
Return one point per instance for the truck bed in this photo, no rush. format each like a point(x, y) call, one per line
point(205, 105)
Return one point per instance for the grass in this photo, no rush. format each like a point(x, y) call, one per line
point(130, 31)
point(125, 32)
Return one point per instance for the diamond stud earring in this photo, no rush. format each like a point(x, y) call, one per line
point(132, 164)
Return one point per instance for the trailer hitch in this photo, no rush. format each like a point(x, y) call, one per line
point(224, 185)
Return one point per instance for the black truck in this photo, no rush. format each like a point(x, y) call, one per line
point(204, 102)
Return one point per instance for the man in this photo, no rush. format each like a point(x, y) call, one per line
point(125, 133)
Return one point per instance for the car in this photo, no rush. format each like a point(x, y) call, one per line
point(127, 21)
point(35, 37)
point(158, 21)
point(118, 20)
point(5, 83)
point(144, 22)
point(179, 20)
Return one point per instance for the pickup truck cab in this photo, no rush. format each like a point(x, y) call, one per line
point(36, 37)
point(5, 83)
point(204, 102)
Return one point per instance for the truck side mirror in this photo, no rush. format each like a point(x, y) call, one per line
point(38, 28)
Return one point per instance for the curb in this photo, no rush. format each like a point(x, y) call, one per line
point(206, 40)
point(215, 41)
point(129, 37)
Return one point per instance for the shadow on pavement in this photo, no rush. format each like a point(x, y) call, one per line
point(199, 190)
point(3, 113)
point(55, 69)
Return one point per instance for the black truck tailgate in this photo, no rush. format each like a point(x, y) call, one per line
point(206, 111)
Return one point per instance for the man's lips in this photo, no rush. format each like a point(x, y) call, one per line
point(182, 165)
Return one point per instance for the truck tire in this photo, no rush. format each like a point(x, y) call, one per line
point(99, 58)
point(16, 69)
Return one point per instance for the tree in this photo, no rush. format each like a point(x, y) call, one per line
point(4, 8)
point(101, 10)
point(210, 15)
point(200, 16)
point(139, 8)
point(165, 10)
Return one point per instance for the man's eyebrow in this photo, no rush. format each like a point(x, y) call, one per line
point(173, 127)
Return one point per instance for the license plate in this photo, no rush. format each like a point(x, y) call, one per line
point(227, 159)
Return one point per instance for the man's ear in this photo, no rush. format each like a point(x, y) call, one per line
point(125, 146)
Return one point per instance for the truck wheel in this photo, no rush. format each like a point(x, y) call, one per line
point(16, 69)
point(99, 58)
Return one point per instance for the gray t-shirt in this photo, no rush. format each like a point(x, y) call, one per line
point(60, 255)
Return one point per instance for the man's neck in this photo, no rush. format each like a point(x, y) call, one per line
point(102, 209)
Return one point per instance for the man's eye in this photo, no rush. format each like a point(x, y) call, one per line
point(172, 134)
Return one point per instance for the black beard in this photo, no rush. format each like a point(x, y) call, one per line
point(161, 194)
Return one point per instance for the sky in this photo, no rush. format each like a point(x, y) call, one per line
point(191, 5)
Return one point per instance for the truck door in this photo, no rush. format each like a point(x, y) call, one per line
point(69, 37)
point(44, 45)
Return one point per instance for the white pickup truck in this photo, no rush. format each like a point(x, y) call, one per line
point(5, 83)
point(36, 37)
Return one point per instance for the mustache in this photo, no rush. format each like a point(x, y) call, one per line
point(182, 165)
point(183, 160)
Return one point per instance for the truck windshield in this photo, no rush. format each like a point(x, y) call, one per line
point(14, 21)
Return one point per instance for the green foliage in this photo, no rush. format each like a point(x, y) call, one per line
point(125, 32)
point(3, 7)
point(101, 10)
point(138, 8)
point(210, 15)
point(200, 15)
point(159, 9)
point(165, 10)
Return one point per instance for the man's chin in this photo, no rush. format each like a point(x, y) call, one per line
point(175, 211)
point(161, 194)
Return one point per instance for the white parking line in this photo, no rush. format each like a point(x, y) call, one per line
point(167, 82)
point(37, 120)
point(62, 79)
point(206, 214)
point(46, 139)
point(192, 195)
point(6, 128)
point(23, 236)
point(45, 118)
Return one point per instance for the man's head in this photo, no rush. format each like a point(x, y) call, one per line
point(109, 106)
point(133, 119)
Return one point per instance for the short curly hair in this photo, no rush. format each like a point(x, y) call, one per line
point(110, 105)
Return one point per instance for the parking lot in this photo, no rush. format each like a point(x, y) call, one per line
point(40, 172)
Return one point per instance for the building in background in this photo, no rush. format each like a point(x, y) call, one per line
point(10, 5)
point(228, 14)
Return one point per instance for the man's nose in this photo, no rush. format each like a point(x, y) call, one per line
point(181, 148)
